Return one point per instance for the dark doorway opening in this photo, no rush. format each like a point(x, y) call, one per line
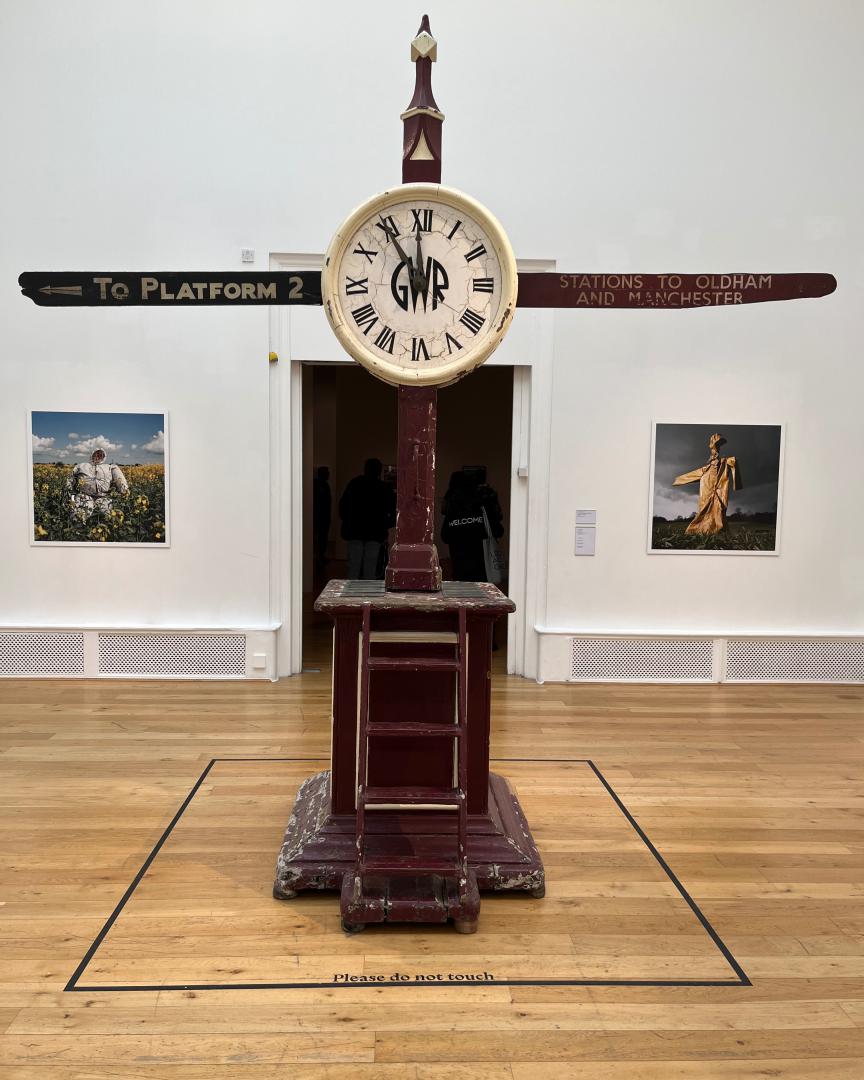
point(349, 416)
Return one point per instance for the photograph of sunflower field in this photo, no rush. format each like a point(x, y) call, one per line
point(99, 478)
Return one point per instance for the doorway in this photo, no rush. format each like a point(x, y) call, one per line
point(349, 416)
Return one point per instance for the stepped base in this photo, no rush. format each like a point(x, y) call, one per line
point(318, 849)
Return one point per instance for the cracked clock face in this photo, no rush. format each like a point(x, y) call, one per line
point(419, 284)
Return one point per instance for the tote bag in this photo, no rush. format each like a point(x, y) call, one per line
point(495, 564)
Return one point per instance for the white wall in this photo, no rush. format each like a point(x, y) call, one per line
point(649, 135)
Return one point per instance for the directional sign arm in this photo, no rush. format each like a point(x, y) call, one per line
point(185, 288)
point(667, 291)
point(229, 289)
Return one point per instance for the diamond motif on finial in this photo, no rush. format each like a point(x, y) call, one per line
point(424, 45)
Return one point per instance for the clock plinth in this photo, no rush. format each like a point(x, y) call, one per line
point(319, 846)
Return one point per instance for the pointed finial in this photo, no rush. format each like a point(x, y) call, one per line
point(421, 142)
point(424, 46)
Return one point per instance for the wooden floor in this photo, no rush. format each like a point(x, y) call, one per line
point(752, 794)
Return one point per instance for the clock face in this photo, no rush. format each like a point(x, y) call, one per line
point(419, 284)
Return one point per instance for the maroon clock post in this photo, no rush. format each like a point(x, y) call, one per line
point(413, 562)
point(318, 851)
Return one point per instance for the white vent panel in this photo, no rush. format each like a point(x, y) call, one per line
point(641, 659)
point(819, 661)
point(36, 653)
point(191, 655)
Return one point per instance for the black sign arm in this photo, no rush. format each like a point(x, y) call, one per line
point(189, 288)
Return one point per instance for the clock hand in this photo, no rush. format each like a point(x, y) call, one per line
point(405, 258)
point(420, 277)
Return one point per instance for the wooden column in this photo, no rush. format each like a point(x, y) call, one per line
point(413, 563)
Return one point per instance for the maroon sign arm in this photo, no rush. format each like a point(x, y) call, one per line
point(667, 291)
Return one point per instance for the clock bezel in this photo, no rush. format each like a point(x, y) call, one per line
point(355, 344)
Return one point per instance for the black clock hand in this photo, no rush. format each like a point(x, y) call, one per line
point(404, 257)
point(420, 276)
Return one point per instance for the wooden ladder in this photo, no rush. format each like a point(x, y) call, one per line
point(445, 885)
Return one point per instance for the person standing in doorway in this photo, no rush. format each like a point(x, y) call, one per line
point(367, 511)
point(469, 504)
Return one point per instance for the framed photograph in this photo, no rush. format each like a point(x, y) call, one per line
point(99, 478)
point(715, 489)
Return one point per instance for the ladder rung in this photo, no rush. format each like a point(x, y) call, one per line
point(413, 663)
point(438, 796)
point(415, 727)
point(408, 864)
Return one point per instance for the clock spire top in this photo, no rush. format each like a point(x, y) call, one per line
point(422, 120)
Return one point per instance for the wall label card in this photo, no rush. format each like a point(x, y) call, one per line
point(586, 540)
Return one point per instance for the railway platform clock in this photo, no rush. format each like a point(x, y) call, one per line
point(419, 284)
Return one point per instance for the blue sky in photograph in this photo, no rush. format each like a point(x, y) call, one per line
point(126, 438)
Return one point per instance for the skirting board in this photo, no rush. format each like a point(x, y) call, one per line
point(168, 653)
point(138, 653)
point(705, 658)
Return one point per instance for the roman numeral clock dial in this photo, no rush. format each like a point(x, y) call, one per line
point(419, 284)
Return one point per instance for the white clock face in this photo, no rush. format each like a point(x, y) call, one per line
point(420, 284)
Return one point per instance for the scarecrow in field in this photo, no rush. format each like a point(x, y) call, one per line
point(91, 485)
point(714, 479)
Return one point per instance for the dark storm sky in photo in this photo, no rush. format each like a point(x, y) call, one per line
point(680, 448)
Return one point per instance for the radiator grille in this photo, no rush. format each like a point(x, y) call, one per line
point(754, 660)
point(39, 653)
point(607, 659)
point(219, 655)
